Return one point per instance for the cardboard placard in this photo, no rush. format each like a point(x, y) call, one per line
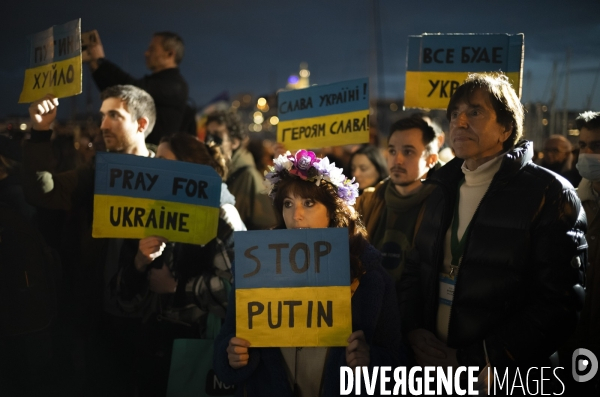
point(54, 63)
point(136, 197)
point(292, 287)
point(437, 64)
point(324, 115)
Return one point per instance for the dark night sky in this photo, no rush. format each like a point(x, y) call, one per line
point(253, 46)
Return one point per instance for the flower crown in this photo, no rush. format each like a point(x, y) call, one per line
point(306, 166)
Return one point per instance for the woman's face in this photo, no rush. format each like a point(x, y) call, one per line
point(300, 212)
point(364, 171)
point(164, 152)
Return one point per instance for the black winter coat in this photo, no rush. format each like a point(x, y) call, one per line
point(518, 285)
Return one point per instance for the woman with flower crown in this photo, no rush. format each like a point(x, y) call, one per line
point(311, 192)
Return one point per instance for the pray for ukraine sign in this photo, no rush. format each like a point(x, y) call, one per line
point(136, 197)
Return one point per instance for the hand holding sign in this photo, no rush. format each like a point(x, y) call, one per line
point(357, 351)
point(43, 112)
point(237, 352)
point(149, 249)
point(91, 47)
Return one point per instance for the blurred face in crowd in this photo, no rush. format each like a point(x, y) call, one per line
point(302, 213)
point(119, 129)
point(364, 171)
point(219, 131)
point(475, 134)
point(589, 141)
point(554, 152)
point(156, 56)
point(164, 152)
point(407, 159)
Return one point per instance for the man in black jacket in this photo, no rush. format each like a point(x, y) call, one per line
point(166, 85)
point(494, 278)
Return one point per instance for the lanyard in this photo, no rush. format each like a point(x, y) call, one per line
point(458, 247)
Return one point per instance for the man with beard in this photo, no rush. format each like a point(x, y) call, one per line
point(108, 334)
point(558, 157)
point(391, 209)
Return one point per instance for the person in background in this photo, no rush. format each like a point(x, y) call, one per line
point(165, 84)
point(558, 157)
point(368, 167)
point(176, 285)
point(391, 209)
point(310, 193)
point(243, 179)
point(29, 275)
point(588, 332)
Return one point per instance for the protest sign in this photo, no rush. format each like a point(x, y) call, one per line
point(136, 197)
point(324, 115)
point(54, 63)
point(292, 287)
point(88, 39)
point(437, 64)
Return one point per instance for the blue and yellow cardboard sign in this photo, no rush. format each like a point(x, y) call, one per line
point(292, 287)
point(54, 63)
point(437, 64)
point(324, 115)
point(136, 197)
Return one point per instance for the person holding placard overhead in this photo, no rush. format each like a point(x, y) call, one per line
point(103, 334)
point(309, 192)
point(176, 285)
point(166, 85)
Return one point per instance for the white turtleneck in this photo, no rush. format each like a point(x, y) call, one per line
point(472, 191)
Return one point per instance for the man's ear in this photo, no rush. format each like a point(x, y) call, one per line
point(506, 134)
point(142, 124)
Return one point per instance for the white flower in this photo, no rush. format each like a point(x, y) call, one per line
point(282, 162)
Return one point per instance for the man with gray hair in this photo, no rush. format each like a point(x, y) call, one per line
point(166, 85)
point(494, 277)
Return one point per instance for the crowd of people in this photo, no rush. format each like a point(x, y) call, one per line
point(486, 260)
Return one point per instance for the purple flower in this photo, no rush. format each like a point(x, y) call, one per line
point(348, 191)
point(303, 161)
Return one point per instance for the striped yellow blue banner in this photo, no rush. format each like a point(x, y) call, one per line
point(136, 197)
point(55, 63)
point(324, 115)
point(438, 63)
point(292, 287)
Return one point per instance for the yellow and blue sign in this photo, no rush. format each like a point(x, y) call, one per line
point(437, 64)
point(136, 197)
point(54, 63)
point(324, 115)
point(292, 287)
